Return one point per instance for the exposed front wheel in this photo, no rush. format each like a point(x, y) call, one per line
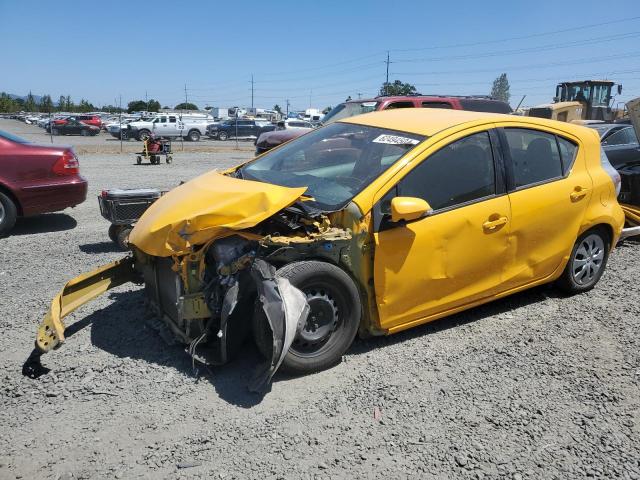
point(332, 322)
point(587, 262)
point(223, 136)
point(143, 135)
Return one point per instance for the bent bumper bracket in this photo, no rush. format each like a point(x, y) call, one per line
point(76, 293)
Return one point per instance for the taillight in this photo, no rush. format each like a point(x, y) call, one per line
point(613, 173)
point(67, 164)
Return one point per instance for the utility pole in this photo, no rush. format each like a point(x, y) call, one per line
point(310, 95)
point(120, 107)
point(287, 108)
point(252, 90)
point(386, 83)
point(359, 95)
point(186, 99)
point(146, 100)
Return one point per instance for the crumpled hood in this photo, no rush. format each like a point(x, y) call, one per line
point(205, 208)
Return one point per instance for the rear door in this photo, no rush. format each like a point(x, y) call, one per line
point(549, 189)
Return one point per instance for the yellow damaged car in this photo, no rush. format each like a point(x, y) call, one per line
point(373, 224)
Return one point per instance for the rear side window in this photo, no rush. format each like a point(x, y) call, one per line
point(436, 105)
point(399, 105)
point(461, 172)
point(535, 156)
point(172, 119)
point(480, 105)
point(568, 152)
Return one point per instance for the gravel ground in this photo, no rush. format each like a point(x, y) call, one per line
point(534, 386)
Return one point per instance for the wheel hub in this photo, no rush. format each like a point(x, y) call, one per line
point(321, 321)
point(588, 259)
point(1, 212)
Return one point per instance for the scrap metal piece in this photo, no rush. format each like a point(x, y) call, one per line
point(632, 217)
point(76, 293)
point(286, 310)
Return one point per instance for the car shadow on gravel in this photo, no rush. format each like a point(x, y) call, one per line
point(497, 307)
point(99, 247)
point(125, 329)
point(45, 223)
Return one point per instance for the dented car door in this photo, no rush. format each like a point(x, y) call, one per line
point(454, 256)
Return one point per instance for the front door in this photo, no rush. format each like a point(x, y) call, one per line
point(161, 127)
point(454, 256)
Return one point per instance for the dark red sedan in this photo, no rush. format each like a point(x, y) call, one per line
point(36, 179)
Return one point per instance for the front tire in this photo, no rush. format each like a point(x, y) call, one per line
point(8, 214)
point(587, 262)
point(333, 320)
point(223, 136)
point(143, 135)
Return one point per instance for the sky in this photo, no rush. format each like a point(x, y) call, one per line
point(313, 53)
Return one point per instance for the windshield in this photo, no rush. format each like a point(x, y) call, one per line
point(335, 162)
point(12, 137)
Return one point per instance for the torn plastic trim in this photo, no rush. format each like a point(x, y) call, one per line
point(286, 310)
point(77, 292)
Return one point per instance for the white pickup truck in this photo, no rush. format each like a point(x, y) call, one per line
point(190, 126)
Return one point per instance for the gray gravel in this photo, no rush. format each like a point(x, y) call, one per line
point(534, 386)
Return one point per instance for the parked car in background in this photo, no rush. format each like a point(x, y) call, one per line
point(358, 107)
point(189, 125)
point(36, 179)
point(93, 120)
point(619, 142)
point(241, 127)
point(71, 126)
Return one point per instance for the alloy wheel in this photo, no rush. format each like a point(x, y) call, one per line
point(587, 260)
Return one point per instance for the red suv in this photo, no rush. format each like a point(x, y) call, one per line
point(36, 179)
point(266, 141)
point(88, 119)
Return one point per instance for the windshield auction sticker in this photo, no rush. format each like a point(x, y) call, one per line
point(395, 140)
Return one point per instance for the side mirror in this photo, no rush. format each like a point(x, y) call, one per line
point(409, 208)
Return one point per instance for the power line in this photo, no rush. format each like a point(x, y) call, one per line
point(522, 37)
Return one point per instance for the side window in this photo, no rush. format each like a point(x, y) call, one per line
point(399, 105)
point(568, 152)
point(436, 105)
point(535, 156)
point(621, 137)
point(172, 119)
point(461, 172)
point(163, 120)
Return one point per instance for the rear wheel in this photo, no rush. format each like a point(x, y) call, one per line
point(8, 214)
point(587, 262)
point(332, 322)
point(138, 159)
point(113, 232)
point(194, 136)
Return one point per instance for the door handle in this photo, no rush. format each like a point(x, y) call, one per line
point(493, 224)
point(578, 193)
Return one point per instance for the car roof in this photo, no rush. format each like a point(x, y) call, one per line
point(429, 121)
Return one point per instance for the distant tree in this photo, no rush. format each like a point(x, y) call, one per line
point(500, 89)
point(397, 88)
point(69, 106)
point(153, 105)
point(186, 106)
point(165, 107)
point(30, 103)
point(84, 106)
point(46, 104)
point(8, 104)
point(327, 110)
point(277, 108)
point(136, 106)
point(111, 109)
point(61, 103)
